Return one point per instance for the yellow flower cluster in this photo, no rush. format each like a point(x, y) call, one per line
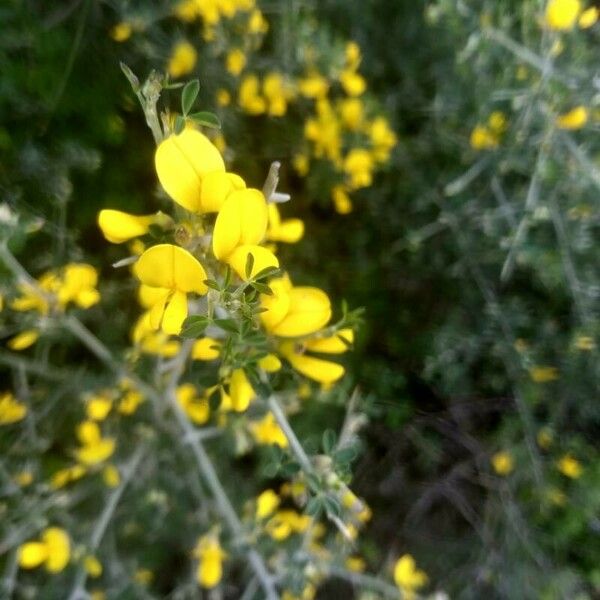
point(53, 550)
point(562, 15)
point(487, 136)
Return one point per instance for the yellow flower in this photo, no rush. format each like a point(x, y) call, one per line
point(358, 165)
point(588, 17)
point(241, 392)
point(79, 285)
point(352, 112)
point(323, 371)
point(118, 227)
point(325, 133)
point(286, 522)
point(11, 410)
point(294, 311)
point(182, 60)
point(235, 61)
point(300, 163)
point(277, 93)
point(543, 374)
point(121, 31)
point(289, 231)
point(353, 83)
point(98, 406)
point(249, 97)
point(562, 14)
point(194, 406)
point(313, 85)
point(210, 565)
point(407, 577)
point(544, 438)
point(585, 343)
point(266, 503)
point(269, 363)
point(240, 226)
point(356, 564)
point(570, 467)
point(503, 463)
point(23, 340)
point(483, 138)
point(176, 272)
point(111, 476)
point(206, 349)
point(267, 431)
point(63, 477)
point(53, 550)
point(94, 448)
point(223, 97)
point(182, 164)
point(352, 55)
point(257, 24)
point(574, 119)
point(341, 200)
point(92, 566)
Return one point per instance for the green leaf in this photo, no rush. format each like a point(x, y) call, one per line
point(345, 455)
point(328, 441)
point(314, 506)
point(332, 506)
point(194, 326)
point(179, 124)
point(227, 325)
point(313, 483)
point(267, 272)
point(211, 283)
point(189, 95)
point(249, 264)
point(262, 288)
point(207, 119)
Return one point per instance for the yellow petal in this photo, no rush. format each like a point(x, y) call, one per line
point(172, 267)
point(242, 220)
point(23, 340)
point(263, 258)
point(32, 555)
point(156, 313)
point(269, 363)
point(88, 432)
point(149, 296)
point(289, 231)
point(309, 311)
point(175, 313)
point(206, 349)
point(182, 161)
point(240, 391)
point(266, 503)
point(96, 453)
point(118, 227)
point(277, 305)
point(320, 370)
point(334, 344)
point(59, 549)
point(216, 188)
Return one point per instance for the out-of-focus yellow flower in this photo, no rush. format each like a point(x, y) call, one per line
point(241, 392)
point(407, 577)
point(483, 138)
point(223, 97)
point(585, 343)
point(353, 83)
point(576, 118)
point(235, 61)
point(352, 112)
point(277, 93)
point(92, 566)
point(266, 503)
point(352, 55)
point(300, 162)
point(267, 431)
point(356, 564)
point(249, 97)
point(210, 561)
point(544, 438)
point(23, 340)
point(98, 405)
point(269, 363)
point(176, 273)
point(503, 463)
point(286, 522)
point(570, 467)
point(11, 410)
point(359, 165)
point(195, 407)
point(206, 348)
point(53, 550)
point(562, 14)
point(540, 374)
point(182, 60)
point(313, 85)
point(111, 476)
point(497, 122)
point(341, 200)
point(121, 32)
point(94, 448)
point(588, 17)
point(289, 231)
point(63, 477)
point(257, 24)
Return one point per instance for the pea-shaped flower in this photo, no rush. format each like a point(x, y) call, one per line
point(192, 172)
point(53, 550)
point(176, 273)
point(240, 226)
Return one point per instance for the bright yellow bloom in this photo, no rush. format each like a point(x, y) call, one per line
point(574, 119)
point(383, 138)
point(206, 349)
point(294, 311)
point(235, 61)
point(240, 226)
point(53, 550)
point(325, 133)
point(63, 477)
point(289, 231)
point(313, 85)
point(266, 503)
point(503, 463)
point(277, 94)
point(353, 56)
point(182, 163)
point(92, 566)
point(257, 24)
point(483, 138)
point(570, 467)
point(588, 17)
point(352, 113)
point(241, 392)
point(11, 410)
point(182, 60)
point(286, 522)
point(121, 31)
point(94, 448)
point(195, 407)
point(320, 370)
point(111, 476)
point(177, 273)
point(23, 340)
point(585, 343)
point(98, 406)
point(353, 83)
point(269, 363)
point(562, 14)
point(150, 341)
point(359, 165)
point(249, 97)
point(341, 200)
point(118, 227)
point(267, 431)
point(407, 577)
point(210, 565)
